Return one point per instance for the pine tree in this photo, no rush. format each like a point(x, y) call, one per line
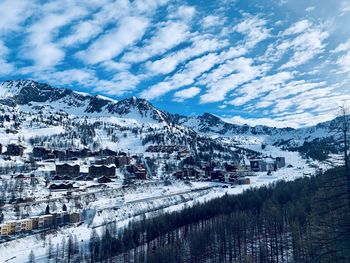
point(31, 257)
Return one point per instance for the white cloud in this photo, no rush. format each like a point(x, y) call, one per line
point(200, 46)
point(40, 46)
point(115, 66)
point(297, 28)
point(212, 21)
point(82, 33)
point(120, 84)
point(183, 78)
point(305, 47)
point(344, 8)
point(344, 62)
point(13, 13)
point(85, 30)
point(244, 71)
point(184, 13)
point(254, 29)
point(168, 35)
point(342, 47)
point(5, 66)
point(310, 8)
point(260, 86)
point(191, 72)
point(112, 43)
point(186, 94)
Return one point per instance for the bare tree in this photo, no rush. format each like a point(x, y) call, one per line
point(341, 127)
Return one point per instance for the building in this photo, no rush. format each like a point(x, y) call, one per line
point(41, 152)
point(257, 165)
point(230, 167)
point(84, 177)
point(102, 170)
point(217, 175)
point(26, 225)
point(11, 227)
point(59, 154)
point(62, 186)
point(4, 229)
point(141, 174)
point(74, 217)
point(45, 221)
point(67, 169)
point(122, 161)
point(35, 222)
point(244, 180)
point(14, 150)
point(103, 180)
point(38, 222)
point(280, 162)
point(270, 165)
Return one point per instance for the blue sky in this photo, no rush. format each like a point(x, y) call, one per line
point(279, 63)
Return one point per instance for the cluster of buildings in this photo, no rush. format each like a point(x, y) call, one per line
point(230, 173)
point(39, 223)
point(43, 153)
point(267, 164)
point(72, 172)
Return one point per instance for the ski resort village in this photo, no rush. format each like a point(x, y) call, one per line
point(72, 163)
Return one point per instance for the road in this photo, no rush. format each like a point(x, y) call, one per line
point(73, 196)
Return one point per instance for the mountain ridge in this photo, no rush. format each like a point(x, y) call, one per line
point(31, 93)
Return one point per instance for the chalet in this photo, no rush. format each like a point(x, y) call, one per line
point(84, 178)
point(107, 152)
point(110, 160)
point(69, 170)
point(131, 168)
point(103, 180)
point(14, 150)
point(122, 161)
point(217, 175)
point(59, 154)
point(141, 174)
point(57, 178)
point(78, 153)
point(102, 170)
point(41, 152)
point(62, 186)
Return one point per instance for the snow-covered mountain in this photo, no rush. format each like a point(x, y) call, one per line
point(30, 98)
point(30, 95)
